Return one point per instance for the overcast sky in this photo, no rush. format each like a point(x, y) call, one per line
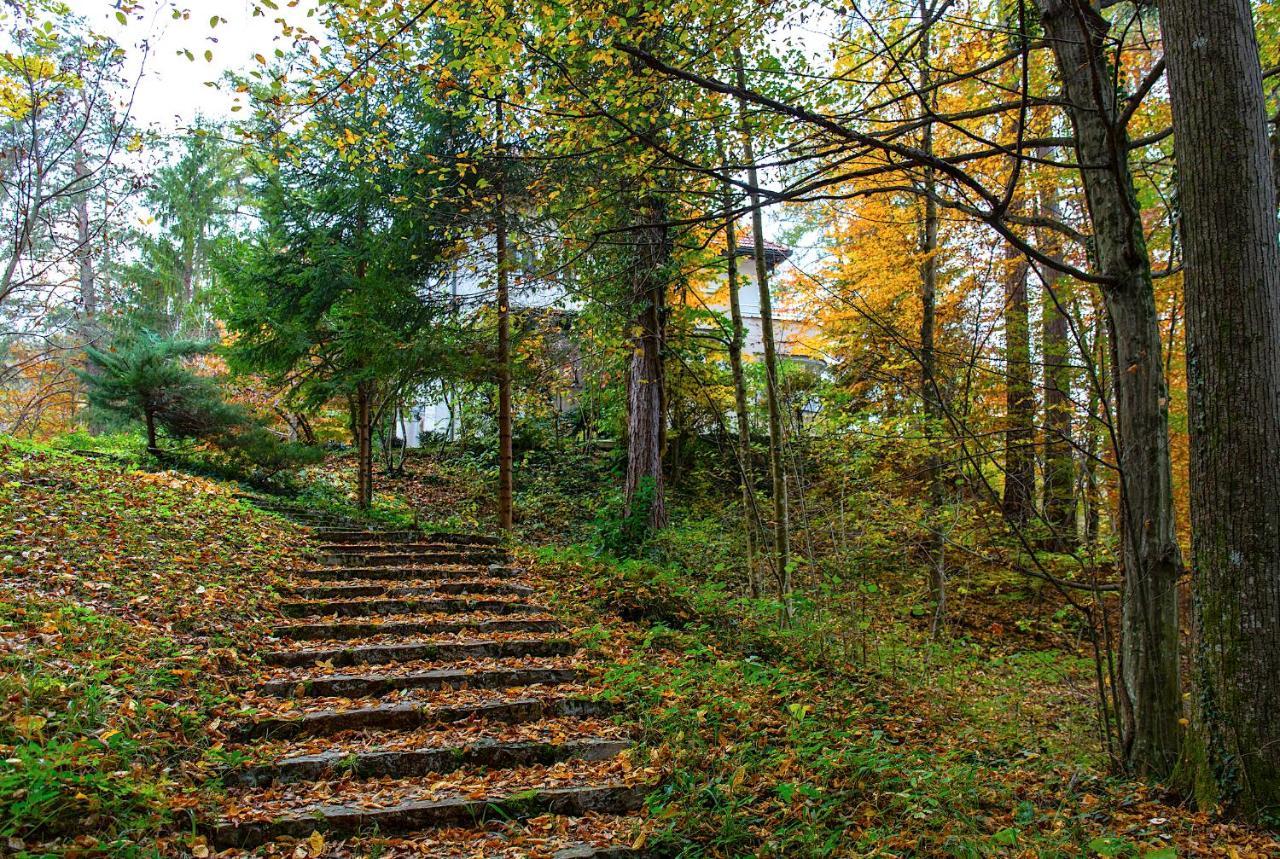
point(172, 90)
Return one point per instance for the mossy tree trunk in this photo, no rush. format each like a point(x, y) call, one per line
point(1228, 199)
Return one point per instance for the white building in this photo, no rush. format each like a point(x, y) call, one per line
point(472, 286)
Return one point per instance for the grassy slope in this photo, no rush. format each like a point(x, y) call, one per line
point(127, 601)
point(840, 739)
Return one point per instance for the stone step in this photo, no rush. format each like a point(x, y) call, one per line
point(483, 754)
point(347, 536)
point(410, 715)
point(375, 544)
point(328, 592)
point(381, 654)
point(345, 820)
point(368, 685)
point(342, 574)
point(340, 631)
point(482, 557)
point(373, 607)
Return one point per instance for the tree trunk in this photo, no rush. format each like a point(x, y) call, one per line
point(1059, 463)
point(1094, 443)
point(505, 457)
point(88, 322)
point(364, 446)
point(1020, 400)
point(1228, 198)
point(153, 446)
point(1150, 696)
point(737, 338)
point(646, 419)
point(773, 393)
point(930, 393)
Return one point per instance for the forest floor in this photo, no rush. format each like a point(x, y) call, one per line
point(133, 605)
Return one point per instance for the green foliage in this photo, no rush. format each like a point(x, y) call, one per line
point(621, 532)
point(145, 378)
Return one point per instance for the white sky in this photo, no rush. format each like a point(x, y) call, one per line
point(172, 90)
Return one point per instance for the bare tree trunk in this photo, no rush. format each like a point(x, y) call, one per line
point(1228, 200)
point(1150, 698)
point(88, 322)
point(646, 406)
point(505, 457)
point(1020, 400)
point(773, 393)
point(737, 338)
point(364, 446)
point(1094, 444)
point(1059, 463)
point(930, 392)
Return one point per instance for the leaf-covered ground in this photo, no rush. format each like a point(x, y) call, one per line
point(827, 741)
point(128, 604)
point(131, 604)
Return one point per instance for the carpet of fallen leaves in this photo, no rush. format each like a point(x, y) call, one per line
point(779, 756)
point(128, 603)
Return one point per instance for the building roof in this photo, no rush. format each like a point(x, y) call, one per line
point(774, 252)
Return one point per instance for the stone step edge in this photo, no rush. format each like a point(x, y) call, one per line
point(403, 763)
point(374, 607)
point(344, 821)
point(368, 685)
point(323, 590)
point(411, 715)
point(421, 571)
point(338, 630)
point(382, 654)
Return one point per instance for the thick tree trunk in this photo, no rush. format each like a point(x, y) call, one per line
point(646, 405)
point(1150, 695)
point(1228, 201)
point(1059, 463)
point(737, 339)
point(773, 393)
point(505, 458)
point(1020, 400)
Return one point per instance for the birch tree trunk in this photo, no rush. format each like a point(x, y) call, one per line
point(1228, 198)
point(1150, 695)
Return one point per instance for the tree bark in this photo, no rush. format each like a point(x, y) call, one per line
point(505, 458)
point(364, 446)
point(88, 321)
point(930, 392)
point(1059, 464)
point(646, 419)
point(737, 339)
point(773, 394)
point(1020, 400)
point(1150, 695)
point(1228, 198)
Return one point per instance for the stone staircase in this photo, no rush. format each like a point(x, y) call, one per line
point(415, 694)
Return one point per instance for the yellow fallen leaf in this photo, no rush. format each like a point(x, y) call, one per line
point(316, 843)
